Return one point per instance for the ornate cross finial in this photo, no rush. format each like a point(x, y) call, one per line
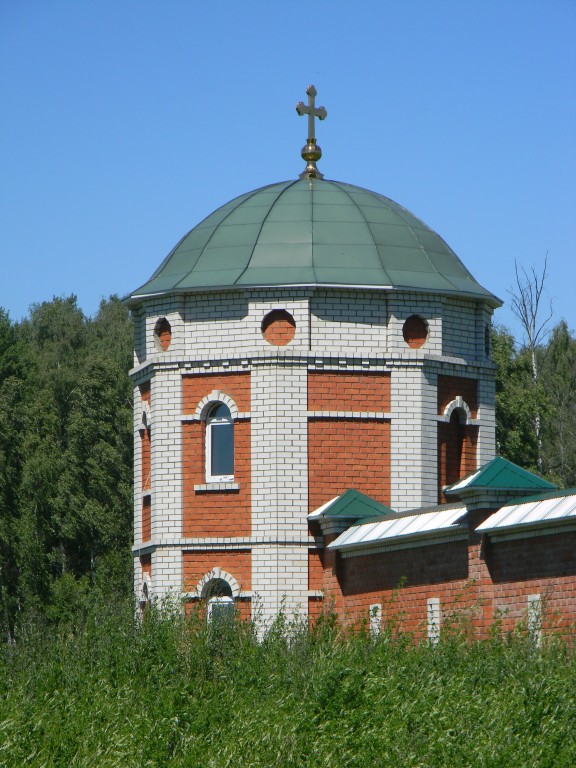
point(311, 152)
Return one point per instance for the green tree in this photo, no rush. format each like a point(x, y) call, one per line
point(13, 392)
point(527, 306)
point(65, 454)
point(518, 399)
point(558, 375)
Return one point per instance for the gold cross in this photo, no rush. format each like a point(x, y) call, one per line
point(311, 111)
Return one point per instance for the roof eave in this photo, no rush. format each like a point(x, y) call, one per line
point(526, 530)
point(133, 299)
point(452, 533)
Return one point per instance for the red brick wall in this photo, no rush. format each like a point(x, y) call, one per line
point(146, 518)
point(543, 565)
point(348, 391)
point(197, 386)
point(146, 564)
point(221, 513)
point(237, 563)
point(315, 608)
point(315, 569)
point(434, 571)
point(456, 452)
point(145, 391)
point(415, 331)
point(449, 387)
point(164, 334)
point(146, 452)
point(477, 582)
point(345, 453)
point(145, 449)
point(456, 442)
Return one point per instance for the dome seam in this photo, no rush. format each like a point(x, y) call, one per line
point(289, 185)
point(361, 212)
point(249, 196)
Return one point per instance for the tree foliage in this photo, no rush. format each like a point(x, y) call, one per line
point(521, 400)
point(65, 452)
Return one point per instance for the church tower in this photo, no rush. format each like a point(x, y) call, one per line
point(308, 337)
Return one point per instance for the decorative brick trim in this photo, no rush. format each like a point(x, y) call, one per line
point(216, 487)
point(216, 396)
point(217, 573)
point(365, 415)
point(193, 418)
point(457, 403)
point(245, 594)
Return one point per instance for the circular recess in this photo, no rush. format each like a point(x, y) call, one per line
point(415, 331)
point(162, 334)
point(278, 327)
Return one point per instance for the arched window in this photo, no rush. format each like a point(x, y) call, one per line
point(219, 444)
point(220, 602)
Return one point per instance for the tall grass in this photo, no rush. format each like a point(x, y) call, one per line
point(107, 690)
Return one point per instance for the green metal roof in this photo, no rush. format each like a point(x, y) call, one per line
point(352, 505)
point(500, 474)
point(544, 496)
point(313, 232)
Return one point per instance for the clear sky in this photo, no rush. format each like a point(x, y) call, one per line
point(125, 122)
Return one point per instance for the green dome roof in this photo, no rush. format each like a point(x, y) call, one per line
point(312, 232)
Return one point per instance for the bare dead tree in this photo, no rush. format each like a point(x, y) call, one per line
point(527, 299)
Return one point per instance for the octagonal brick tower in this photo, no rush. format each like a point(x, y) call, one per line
point(308, 337)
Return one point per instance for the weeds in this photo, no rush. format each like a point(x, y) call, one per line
point(167, 690)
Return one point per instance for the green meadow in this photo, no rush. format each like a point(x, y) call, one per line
point(103, 688)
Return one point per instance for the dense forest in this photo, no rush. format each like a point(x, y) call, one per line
point(66, 447)
point(65, 457)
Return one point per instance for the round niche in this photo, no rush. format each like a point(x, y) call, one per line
point(162, 334)
point(278, 327)
point(415, 331)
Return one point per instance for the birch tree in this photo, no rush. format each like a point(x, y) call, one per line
point(527, 305)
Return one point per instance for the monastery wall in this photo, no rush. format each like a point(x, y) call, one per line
point(473, 584)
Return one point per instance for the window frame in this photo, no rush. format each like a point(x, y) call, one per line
point(228, 615)
point(211, 424)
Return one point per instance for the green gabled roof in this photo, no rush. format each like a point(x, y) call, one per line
point(312, 232)
point(500, 474)
point(352, 505)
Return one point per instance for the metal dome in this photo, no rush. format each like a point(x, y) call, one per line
point(313, 232)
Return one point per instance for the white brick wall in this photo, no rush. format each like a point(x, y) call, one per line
point(341, 319)
point(413, 437)
point(166, 453)
point(401, 306)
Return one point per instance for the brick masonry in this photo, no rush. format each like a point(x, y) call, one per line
point(480, 582)
point(213, 512)
point(345, 402)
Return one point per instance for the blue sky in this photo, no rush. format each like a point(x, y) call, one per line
point(126, 122)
